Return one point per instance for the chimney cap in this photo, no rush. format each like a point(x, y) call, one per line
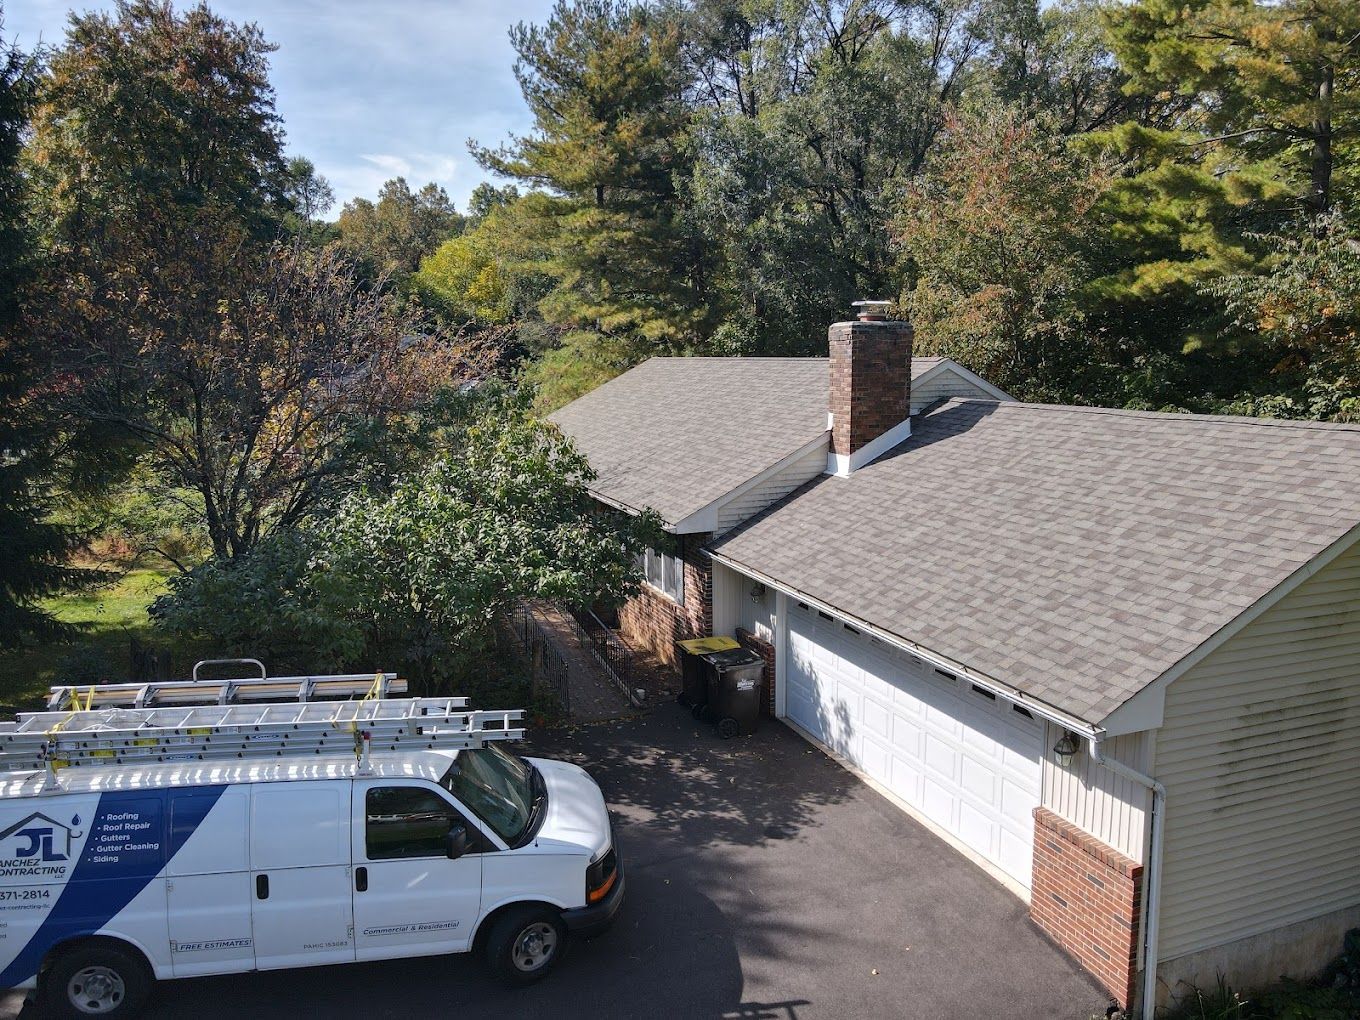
point(872, 311)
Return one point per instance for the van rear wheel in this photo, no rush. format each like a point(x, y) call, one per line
point(95, 980)
point(525, 944)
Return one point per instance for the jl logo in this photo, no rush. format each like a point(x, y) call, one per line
point(42, 837)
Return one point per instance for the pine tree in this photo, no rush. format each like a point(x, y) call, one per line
point(605, 84)
point(35, 550)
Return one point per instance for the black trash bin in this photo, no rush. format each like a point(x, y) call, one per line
point(695, 670)
point(734, 684)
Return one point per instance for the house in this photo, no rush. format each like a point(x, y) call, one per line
point(1112, 657)
point(706, 443)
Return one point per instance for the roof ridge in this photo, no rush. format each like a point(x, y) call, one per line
point(1305, 424)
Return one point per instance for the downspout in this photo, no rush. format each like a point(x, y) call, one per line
point(1152, 876)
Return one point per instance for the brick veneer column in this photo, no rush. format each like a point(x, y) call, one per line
point(1086, 896)
point(766, 651)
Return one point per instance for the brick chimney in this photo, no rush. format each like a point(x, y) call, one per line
point(870, 410)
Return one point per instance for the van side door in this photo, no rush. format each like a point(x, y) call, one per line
point(208, 881)
point(410, 899)
point(301, 908)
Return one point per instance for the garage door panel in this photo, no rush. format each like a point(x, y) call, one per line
point(978, 829)
point(979, 780)
point(877, 759)
point(942, 757)
point(877, 717)
point(1016, 856)
point(1017, 805)
point(943, 722)
point(967, 762)
point(940, 803)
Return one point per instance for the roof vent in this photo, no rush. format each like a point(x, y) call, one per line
point(872, 311)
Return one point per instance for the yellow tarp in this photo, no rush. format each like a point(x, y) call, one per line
point(704, 645)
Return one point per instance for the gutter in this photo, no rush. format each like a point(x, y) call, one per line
point(1152, 885)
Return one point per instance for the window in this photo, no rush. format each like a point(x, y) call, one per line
point(406, 821)
point(500, 788)
point(664, 570)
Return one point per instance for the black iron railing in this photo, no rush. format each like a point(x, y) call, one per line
point(609, 650)
point(544, 661)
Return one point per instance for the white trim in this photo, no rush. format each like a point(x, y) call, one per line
point(950, 365)
point(705, 519)
point(934, 828)
point(1011, 694)
point(841, 464)
point(1130, 716)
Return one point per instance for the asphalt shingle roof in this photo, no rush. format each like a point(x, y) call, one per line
point(674, 434)
point(1074, 553)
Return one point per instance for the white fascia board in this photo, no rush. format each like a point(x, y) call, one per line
point(842, 465)
point(950, 365)
point(1147, 703)
point(705, 519)
point(997, 687)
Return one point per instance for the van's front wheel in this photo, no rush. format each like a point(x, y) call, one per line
point(95, 980)
point(525, 944)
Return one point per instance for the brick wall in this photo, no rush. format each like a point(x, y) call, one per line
point(652, 621)
point(766, 651)
point(870, 381)
point(1086, 897)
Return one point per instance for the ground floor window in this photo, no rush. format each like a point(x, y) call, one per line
point(664, 570)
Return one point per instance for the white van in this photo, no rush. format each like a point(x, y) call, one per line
point(124, 874)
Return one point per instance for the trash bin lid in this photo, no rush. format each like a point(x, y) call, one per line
point(738, 656)
point(704, 645)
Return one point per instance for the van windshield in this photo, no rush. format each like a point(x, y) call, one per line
point(497, 786)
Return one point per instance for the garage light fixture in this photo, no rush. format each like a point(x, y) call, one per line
point(1065, 749)
point(757, 593)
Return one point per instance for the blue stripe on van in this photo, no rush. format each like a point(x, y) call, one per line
point(122, 854)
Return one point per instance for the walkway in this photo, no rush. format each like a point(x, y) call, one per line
point(593, 695)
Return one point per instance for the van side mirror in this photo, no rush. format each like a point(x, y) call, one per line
point(456, 842)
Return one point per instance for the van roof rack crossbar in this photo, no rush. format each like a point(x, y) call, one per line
point(127, 736)
point(225, 692)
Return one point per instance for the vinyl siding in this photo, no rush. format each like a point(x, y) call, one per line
point(1259, 755)
point(776, 487)
point(943, 385)
point(758, 617)
point(1108, 806)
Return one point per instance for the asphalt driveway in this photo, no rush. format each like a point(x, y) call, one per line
point(763, 881)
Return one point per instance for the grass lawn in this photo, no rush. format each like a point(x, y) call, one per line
point(109, 618)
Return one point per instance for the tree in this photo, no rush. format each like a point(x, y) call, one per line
point(148, 110)
point(1304, 311)
point(1001, 231)
point(1274, 84)
point(309, 196)
point(604, 83)
point(485, 199)
point(419, 574)
point(36, 549)
point(391, 236)
point(259, 402)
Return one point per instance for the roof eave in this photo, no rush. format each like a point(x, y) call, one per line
point(1144, 710)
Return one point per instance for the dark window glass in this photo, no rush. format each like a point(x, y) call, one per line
point(406, 821)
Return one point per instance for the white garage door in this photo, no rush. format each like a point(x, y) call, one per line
point(968, 761)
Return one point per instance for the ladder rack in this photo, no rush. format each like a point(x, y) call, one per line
point(225, 692)
point(127, 736)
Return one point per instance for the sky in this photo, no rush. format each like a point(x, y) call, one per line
point(370, 89)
